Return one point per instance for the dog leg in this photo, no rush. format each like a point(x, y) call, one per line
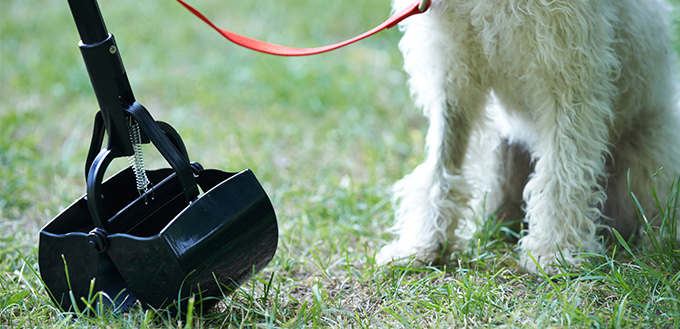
point(648, 132)
point(431, 202)
point(564, 197)
point(569, 98)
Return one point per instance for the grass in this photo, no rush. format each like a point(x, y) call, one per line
point(326, 135)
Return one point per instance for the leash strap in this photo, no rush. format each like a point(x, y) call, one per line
point(419, 6)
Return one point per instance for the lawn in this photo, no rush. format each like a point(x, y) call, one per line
point(326, 135)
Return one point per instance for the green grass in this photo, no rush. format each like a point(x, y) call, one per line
point(326, 135)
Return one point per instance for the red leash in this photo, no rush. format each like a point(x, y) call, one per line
point(419, 6)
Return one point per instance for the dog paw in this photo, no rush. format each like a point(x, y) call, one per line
point(550, 264)
point(398, 255)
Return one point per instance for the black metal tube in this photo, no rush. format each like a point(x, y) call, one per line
point(112, 89)
point(89, 21)
point(107, 74)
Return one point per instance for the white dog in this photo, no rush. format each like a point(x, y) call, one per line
point(539, 108)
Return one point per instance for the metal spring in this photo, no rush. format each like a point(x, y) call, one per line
point(137, 159)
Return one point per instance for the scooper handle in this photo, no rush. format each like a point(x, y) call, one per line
point(106, 71)
point(89, 21)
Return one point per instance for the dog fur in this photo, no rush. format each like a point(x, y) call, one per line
point(538, 108)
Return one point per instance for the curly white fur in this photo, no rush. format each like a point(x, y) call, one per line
point(539, 104)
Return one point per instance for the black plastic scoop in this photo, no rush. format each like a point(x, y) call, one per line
point(149, 236)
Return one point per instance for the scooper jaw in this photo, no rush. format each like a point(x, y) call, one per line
point(154, 237)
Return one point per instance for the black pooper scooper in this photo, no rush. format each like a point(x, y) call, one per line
point(150, 236)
